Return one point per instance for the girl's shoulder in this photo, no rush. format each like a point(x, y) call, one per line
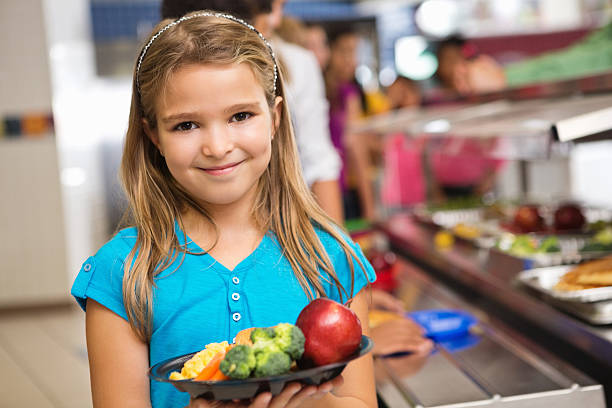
point(331, 244)
point(101, 275)
point(353, 271)
point(118, 247)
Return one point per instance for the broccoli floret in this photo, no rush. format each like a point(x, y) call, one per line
point(275, 348)
point(263, 339)
point(290, 339)
point(550, 244)
point(271, 362)
point(262, 334)
point(266, 346)
point(239, 362)
point(523, 245)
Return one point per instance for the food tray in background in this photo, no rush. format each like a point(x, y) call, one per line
point(559, 258)
point(593, 305)
point(570, 249)
point(544, 280)
point(449, 218)
point(470, 224)
point(450, 214)
point(497, 218)
point(486, 227)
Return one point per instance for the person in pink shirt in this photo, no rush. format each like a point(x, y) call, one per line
point(462, 166)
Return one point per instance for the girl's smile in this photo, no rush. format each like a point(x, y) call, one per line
point(223, 169)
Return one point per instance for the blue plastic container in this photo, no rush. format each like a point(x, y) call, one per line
point(443, 324)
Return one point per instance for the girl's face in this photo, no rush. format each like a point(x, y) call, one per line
point(215, 128)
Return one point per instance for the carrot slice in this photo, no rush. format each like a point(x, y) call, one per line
point(211, 367)
point(244, 336)
point(218, 376)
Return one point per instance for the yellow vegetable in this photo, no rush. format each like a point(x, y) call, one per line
point(466, 231)
point(196, 364)
point(377, 317)
point(444, 239)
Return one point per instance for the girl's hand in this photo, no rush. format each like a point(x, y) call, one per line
point(292, 396)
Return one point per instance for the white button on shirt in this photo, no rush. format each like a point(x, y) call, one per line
point(235, 280)
point(236, 316)
point(235, 296)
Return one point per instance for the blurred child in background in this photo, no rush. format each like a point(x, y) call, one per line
point(346, 109)
point(463, 71)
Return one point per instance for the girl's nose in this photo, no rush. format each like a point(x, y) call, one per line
point(217, 142)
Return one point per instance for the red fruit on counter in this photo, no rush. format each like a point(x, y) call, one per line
point(568, 217)
point(383, 263)
point(528, 219)
point(332, 332)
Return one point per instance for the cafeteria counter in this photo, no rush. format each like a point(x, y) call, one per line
point(522, 353)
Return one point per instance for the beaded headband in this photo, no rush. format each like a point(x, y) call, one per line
point(205, 14)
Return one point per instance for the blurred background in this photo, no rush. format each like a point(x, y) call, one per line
point(65, 89)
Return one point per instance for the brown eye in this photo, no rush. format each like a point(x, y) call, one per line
point(241, 116)
point(185, 126)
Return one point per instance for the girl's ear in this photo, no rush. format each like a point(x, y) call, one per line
point(151, 134)
point(278, 109)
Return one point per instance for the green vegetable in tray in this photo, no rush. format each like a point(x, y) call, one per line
point(523, 245)
point(239, 362)
point(604, 236)
point(271, 361)
point(599, 225)
point(550, 244)
point(596, 247)
point(290, 339)
point(262, 334)
point(273, 350)
point(526, 245)
point(602, 241)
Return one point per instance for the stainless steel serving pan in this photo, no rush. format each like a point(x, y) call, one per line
point(593, 305)
point(544, 280)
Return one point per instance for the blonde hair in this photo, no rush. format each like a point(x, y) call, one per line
point(283, 203)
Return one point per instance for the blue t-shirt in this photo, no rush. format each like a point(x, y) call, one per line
point(199, 301)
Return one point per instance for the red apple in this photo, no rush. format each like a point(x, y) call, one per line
point(528, 219)
point(332, 332)
point(568, 217)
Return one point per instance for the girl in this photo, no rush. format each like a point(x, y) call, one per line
point(225, 233)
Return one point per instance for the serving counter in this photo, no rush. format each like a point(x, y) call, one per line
point(523, 352)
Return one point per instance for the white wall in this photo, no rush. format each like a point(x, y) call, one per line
point(90, 114)
point(33, 268)
point(591, 167)
point(24, 67)
point(583, 176)
point(546, 180)
point(32, 246)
